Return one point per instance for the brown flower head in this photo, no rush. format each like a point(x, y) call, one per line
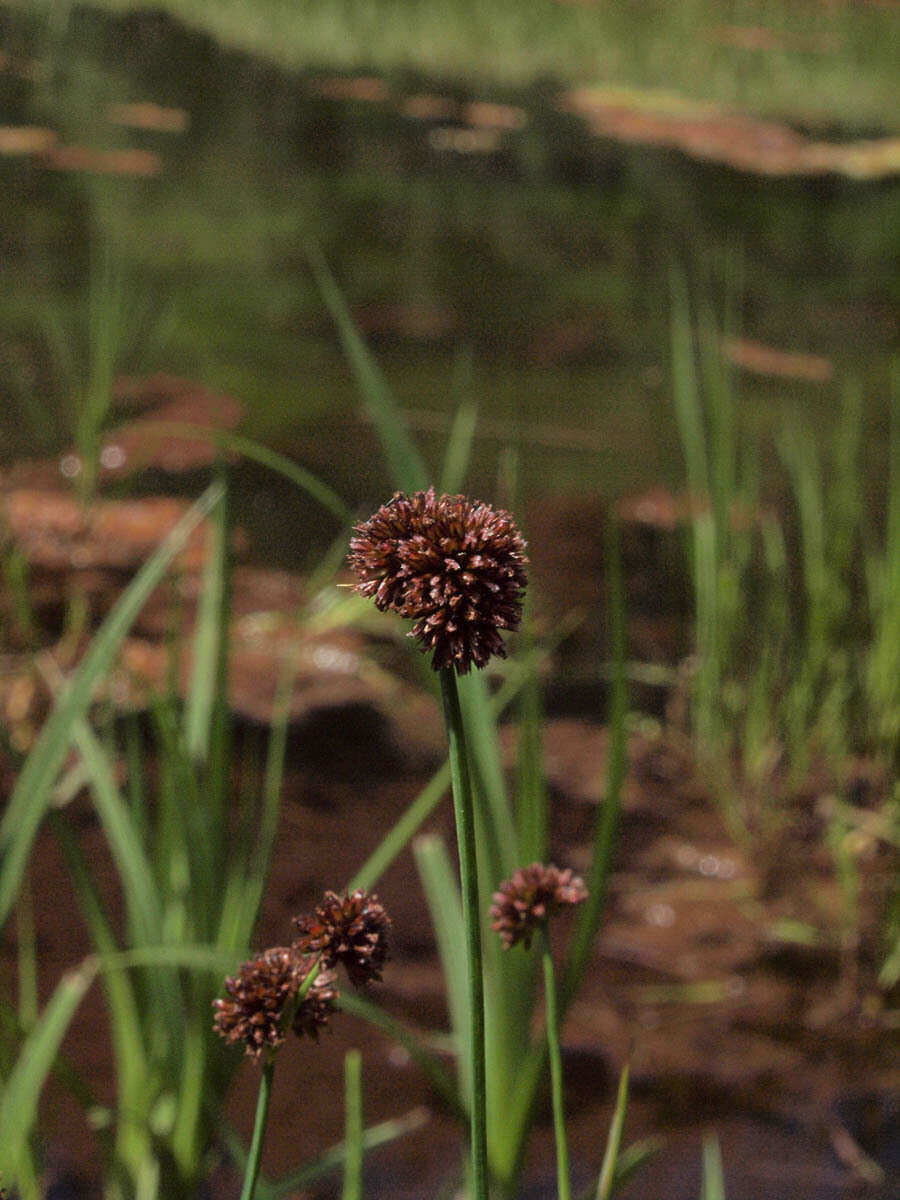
point(264, 987)
point(350, 929)
point(529, 898)
point(455, 566)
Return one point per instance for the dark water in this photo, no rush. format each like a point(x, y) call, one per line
point(529, 268)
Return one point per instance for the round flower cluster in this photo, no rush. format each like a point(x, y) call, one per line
point(261, 993)
point(534, 894)
point(455, 566)
point(351, 930)
point(273, 991)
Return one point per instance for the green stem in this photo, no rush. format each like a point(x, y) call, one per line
point(559, 1116)
point(254, 1158)
point(468, 870)
point(353, 1126)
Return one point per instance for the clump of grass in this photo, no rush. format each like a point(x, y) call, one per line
point(796, 631)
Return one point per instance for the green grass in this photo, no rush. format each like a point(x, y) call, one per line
point(796, 638)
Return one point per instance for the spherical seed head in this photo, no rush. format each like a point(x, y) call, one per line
point(261, 991)
point(455, 566)
point(530, 897)
point(351, 929)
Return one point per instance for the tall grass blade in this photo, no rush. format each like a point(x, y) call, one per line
point(607, 822)
point(462, 431)
point(26, 953)
point(132, 1075)
point(19, 1102)
point(255, 451)
point(425, 1059)
point(209, 632)
point(614, 1139)
point(532, 809)
point(498, 840)
point(400, 834)
point(406, 465)
point(445, 909)
point(883, 676)
point(713, 1182)
point(408, 825)
point(238, 919)
point(31, 794)
point(144, 904)
point(373, 1137)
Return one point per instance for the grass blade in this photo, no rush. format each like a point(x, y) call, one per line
point(132, 1073)
point(713, 1183)
point(207, 638)
point(462, 431)
point(331, 1160)
point(248, 448)
point(135, 871)
point(614, 1139)
point(407, 467)
point(31, 794)
point(445, 908)
point(498, 840)
point(434, 791)
point(428, 1062)
point(607, 822)
point(19, 1102)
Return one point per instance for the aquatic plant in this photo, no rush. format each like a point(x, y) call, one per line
point(457, 569)
point(523, 905)
point(287, 988)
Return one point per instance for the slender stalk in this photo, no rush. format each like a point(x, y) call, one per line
point(254, 1158)
point(468, 870)
point(353, 1127)
point(559, 1117)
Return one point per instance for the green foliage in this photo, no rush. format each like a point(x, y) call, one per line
point(23, 1084)
point(353, 1134)
point(797, 638)
point(713, 1179)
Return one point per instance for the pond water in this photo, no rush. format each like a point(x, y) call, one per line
point(489, 245)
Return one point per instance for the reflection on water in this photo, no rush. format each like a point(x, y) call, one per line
point(503, 228)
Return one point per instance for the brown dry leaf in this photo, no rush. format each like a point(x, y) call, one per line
point(783, 364)
point(707, 131)
point(25, 139)
point(359, 87)
point(485, 115)
point(136, 163)
point(147, 115)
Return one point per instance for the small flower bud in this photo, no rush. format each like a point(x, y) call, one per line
point(530, 898)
